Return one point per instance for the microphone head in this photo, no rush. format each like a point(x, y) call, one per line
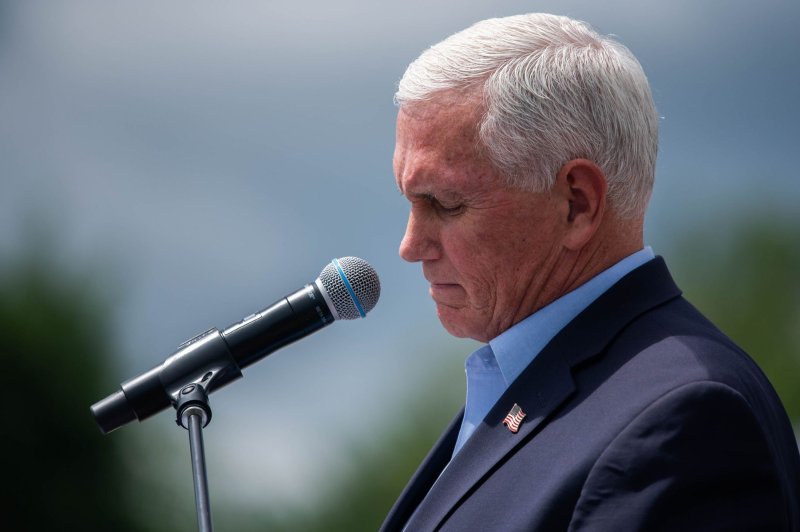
point(350, 286)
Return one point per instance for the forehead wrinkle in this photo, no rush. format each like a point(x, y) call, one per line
point(438, 151)
point(423, 181)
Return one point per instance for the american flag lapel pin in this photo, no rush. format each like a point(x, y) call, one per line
point(514, 418)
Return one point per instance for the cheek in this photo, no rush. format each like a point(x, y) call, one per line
point(496, 260)
point(476, 258)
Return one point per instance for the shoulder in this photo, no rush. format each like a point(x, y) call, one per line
point(696, 428)
point(676, 345)
point(697, 458)
point(673, 354)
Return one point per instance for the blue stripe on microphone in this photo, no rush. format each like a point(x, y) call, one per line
point(350, 291)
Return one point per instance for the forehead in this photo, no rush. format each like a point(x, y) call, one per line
point(437, 148)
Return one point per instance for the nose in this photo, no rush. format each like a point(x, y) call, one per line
point(419, 242)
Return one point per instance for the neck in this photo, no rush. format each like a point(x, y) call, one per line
point(613, 242)
point(565, 270)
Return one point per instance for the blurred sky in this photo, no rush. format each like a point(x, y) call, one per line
point(202, 159)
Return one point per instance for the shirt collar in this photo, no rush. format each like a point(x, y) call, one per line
point(516, 348)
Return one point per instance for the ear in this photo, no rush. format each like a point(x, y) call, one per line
point(582, 187)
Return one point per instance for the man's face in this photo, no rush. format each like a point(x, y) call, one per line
point(487, 250)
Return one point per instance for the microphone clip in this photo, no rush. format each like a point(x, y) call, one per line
point(192, 401)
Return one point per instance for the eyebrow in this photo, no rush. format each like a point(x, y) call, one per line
point(442, 195)
point(433, 188)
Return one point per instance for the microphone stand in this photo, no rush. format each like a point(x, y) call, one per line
point(193, 413)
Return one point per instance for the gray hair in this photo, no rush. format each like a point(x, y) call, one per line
point(554, 90)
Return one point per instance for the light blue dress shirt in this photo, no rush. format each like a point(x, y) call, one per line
point(492, 368)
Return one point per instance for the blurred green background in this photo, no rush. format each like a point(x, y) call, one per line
point(170, 167)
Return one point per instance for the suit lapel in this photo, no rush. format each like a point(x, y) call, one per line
point(544, 385)
point(643, 289)
point(538, 396)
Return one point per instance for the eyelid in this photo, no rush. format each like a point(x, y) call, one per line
point(456, 207)
point(451, 207)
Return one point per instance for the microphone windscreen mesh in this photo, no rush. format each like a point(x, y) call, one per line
point(363, 280)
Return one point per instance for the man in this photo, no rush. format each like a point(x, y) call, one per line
point(526, 147)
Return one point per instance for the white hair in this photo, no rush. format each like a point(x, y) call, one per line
point(554, 90)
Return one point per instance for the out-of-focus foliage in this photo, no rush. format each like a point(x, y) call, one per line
point(381, 465)
point(58, 473)
point(364, 496)
point(747, 281)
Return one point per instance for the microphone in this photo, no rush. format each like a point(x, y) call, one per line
point(346, 289)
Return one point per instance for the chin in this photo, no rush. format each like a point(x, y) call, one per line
point(454, 323)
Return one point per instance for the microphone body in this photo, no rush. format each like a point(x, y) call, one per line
point(213, 359)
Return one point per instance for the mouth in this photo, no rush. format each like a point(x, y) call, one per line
point(446, 293)
point(443, 285)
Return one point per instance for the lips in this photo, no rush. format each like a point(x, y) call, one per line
point(442, 290)
point(443, 285)
point(446, 293)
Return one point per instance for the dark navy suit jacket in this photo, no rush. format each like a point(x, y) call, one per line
point(641, 415)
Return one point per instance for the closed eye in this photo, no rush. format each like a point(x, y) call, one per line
point(447, 209)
